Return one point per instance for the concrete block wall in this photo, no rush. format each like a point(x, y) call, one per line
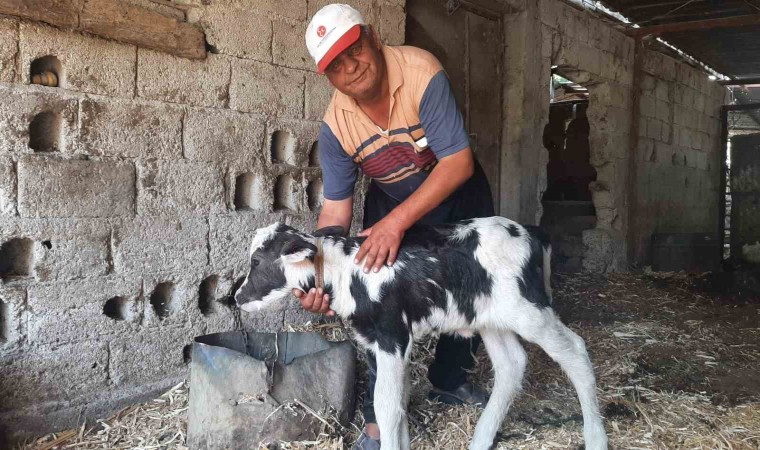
point(599, 57)
point(678, 154)
point(678, 142)
point(130, 193)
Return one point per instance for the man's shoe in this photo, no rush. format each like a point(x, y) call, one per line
point(466, 394)
point(366, 443)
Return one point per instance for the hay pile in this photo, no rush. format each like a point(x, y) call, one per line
point(676, 369)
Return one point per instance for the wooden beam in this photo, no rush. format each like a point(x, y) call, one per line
point(148, 29)
point(740, 82)
point(697, 25)
point(117, 20)
point(61, 13)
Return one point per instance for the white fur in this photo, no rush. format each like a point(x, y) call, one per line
point(500, 317)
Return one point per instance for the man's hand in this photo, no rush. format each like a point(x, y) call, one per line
point(314, 301)
point(383, 241)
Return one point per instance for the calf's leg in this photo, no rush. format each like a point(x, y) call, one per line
point(569, 350)
point(389, 400)
point(508, 359)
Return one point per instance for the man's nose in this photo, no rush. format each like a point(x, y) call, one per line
point(351, 64)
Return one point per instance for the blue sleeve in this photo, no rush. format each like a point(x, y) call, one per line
point(441, 119)
point(338, 170)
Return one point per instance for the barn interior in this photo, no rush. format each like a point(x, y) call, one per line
point(143, 142)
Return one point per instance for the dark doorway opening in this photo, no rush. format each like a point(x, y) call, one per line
point(567, 203)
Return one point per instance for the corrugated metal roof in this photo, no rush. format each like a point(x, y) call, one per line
point(732, 51)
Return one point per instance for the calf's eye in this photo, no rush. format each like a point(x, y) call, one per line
point(255, 262)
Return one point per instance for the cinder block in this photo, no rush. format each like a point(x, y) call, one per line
point(303, 222)
point(365, 7)
point(654, 129)
point(130, 129)
point(171, 299)
point(648, 106)
point(53, 373)
point(89, 64)
point(663, 110)
point(292, 9)
point(180, 80)
point(289, 46)
point(235, 30)
point(19, 108)
point(7, 187)
point(392, 24)
point(59, 296)
point(250, 188)
point(75, 188)
point(319, 92)
point(12, 318)
point(63, 249)
point(160, 244)
point(224, 136)
point(150, 355)
point(230, 240)
point(8, 50)
point(662, 90)
point(266, 89)
point(302, 136)
point(170, 187)
point(76, 310)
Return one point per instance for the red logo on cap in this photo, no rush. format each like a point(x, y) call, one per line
point(321, 31)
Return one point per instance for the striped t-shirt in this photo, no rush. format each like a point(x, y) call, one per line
point(425, 125)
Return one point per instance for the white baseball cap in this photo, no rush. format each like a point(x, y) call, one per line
point(333, 29)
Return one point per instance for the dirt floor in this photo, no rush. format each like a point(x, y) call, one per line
point(676, 358)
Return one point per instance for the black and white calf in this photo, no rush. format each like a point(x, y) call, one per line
point(489, 276)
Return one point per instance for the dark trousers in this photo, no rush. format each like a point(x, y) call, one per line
point(453, 354)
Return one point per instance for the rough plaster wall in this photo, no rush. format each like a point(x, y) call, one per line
point(139, 198)
point(678, 154)
point(600, 58)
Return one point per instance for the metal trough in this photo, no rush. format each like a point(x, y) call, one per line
point(248, 390)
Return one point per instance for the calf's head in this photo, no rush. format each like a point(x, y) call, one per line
point(281, 259)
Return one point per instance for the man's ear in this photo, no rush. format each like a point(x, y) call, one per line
point(334, 230)
point(297, 249)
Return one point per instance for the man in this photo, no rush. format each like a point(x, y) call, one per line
point(394, 115)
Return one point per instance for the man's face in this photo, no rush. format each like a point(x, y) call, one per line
point(360, 69)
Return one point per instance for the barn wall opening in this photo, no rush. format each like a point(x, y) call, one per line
point(567, 202)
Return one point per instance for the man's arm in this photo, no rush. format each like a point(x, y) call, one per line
point(446, 135)
point(336, 212)
point(385, 236)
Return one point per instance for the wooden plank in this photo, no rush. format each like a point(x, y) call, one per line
point(148, 29)
point(740, 82)
point(728, 22)
point(113, 19)
point(61, 13)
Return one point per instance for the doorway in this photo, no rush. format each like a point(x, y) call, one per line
point(567, 203)
point(740, 189)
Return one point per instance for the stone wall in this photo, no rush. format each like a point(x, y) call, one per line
point(679, 150)
point(678, 115)
point(129, 195)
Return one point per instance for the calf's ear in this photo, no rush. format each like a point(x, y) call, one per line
point(297, 249)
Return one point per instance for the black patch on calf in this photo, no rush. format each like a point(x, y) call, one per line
point(531, 282)
point(378, 322)
point(312, 283)
point(465, 277)
point(512, 230)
